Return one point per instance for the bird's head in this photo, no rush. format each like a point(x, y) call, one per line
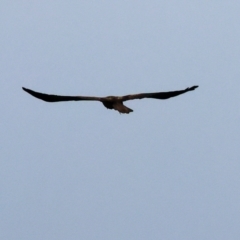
point(111, 98)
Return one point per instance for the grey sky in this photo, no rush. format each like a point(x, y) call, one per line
point(169, 170)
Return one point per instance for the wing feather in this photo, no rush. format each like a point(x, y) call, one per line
point(57, 98)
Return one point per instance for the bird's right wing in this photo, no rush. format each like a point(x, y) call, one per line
point(157, 95)
point(57, 98)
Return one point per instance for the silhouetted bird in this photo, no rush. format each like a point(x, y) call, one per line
point(110, 102)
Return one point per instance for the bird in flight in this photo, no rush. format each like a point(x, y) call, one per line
point(110, 102)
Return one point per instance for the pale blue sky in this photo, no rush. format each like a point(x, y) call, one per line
point(169, 170)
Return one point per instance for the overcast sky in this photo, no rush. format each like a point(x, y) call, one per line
point(169, 170)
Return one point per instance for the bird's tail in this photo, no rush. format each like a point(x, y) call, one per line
point(122, 108)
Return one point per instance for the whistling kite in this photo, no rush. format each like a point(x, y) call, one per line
point(111, 102)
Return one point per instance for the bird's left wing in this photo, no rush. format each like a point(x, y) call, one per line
point(157, 95)
point(57, 98)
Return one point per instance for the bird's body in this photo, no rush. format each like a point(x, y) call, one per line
point(110, 102)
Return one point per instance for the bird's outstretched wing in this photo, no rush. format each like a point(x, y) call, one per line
point(157, 95)
point(57, 98)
